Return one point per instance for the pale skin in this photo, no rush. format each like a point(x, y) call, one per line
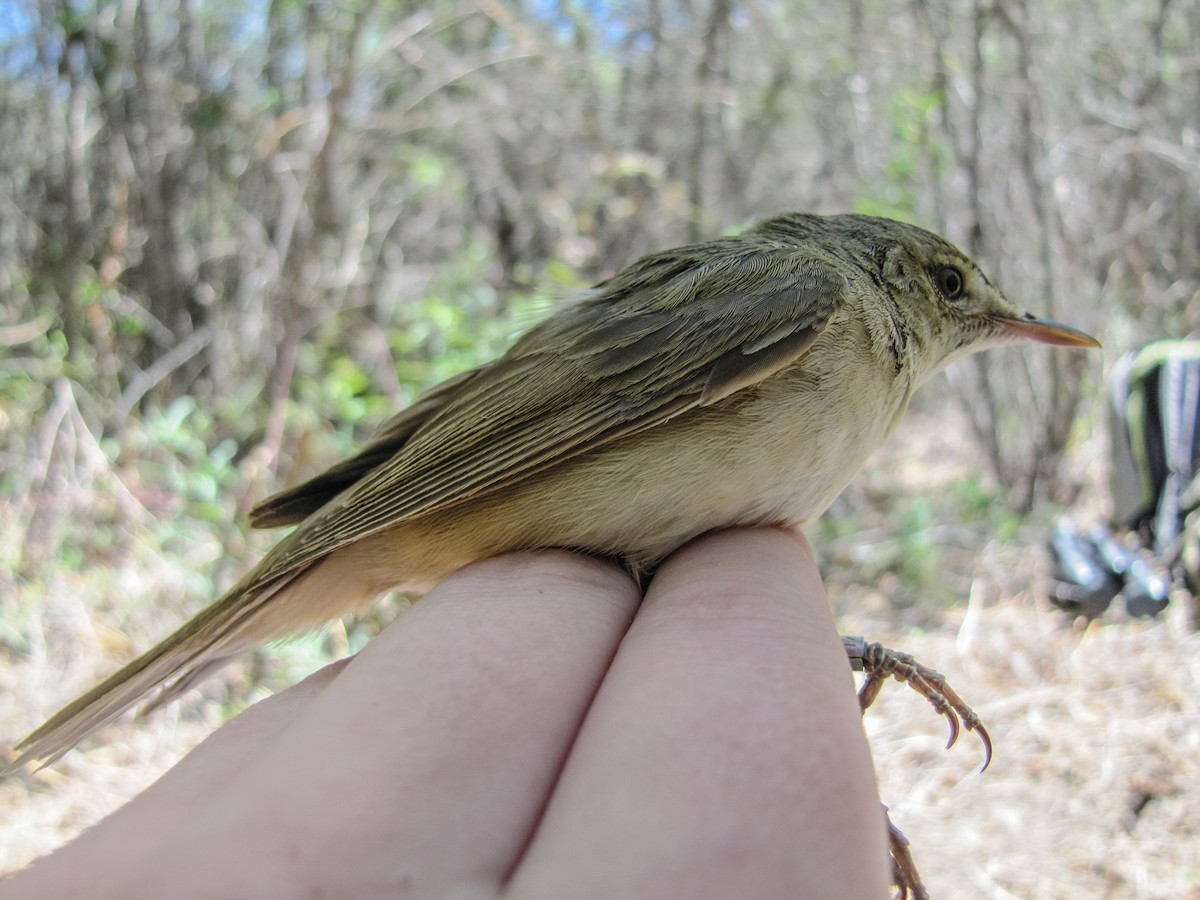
point(528, 730)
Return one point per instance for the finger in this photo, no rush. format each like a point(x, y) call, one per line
point(724, 755)
point(428, 760)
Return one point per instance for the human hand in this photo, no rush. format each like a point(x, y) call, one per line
point(527, 730)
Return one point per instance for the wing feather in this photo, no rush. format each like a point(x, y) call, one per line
point(654, 342)
point(299, 502)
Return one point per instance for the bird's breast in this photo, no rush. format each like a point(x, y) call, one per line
point(777, 452)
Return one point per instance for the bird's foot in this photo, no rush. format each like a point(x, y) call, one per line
point(878, 664)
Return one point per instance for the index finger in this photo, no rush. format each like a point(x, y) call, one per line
point(724, 754)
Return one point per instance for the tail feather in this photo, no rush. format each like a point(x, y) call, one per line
point(251, 613)
point(205, 642)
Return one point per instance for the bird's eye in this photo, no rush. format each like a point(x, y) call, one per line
point(950, 282)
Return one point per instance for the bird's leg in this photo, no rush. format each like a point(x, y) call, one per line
point(904, 871)
point(878, 664)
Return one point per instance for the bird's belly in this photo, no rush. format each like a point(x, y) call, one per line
point(643, 496)
point(780, 454)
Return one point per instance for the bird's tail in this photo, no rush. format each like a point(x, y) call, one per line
point(238, 621)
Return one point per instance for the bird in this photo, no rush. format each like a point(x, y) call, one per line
point(742, 380)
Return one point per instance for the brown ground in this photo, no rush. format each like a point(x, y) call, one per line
point(1094, 790)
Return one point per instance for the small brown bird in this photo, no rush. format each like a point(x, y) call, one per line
point(740, 381)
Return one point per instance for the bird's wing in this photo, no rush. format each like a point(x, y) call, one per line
point(294, 505)
point(659, 339)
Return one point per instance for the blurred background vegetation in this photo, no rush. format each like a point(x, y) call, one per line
point(235, 236)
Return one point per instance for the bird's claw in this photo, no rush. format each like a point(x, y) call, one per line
point(879, 663)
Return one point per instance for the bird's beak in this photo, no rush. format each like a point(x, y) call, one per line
point(1044, 331)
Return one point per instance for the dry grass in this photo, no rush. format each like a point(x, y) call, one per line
point(1093, 791)
point(1093, 788)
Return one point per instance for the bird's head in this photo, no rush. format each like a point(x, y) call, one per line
point(949, 306)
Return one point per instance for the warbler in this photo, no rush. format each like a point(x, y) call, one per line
point(739, 381)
